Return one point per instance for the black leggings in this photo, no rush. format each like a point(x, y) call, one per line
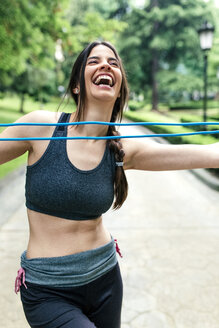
point(96, 304)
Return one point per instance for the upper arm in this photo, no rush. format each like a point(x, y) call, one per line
point(12, 149)
point(154, 156)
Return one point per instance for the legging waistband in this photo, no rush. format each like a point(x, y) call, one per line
point(70, 270)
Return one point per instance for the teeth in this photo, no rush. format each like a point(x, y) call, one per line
point(105, 77)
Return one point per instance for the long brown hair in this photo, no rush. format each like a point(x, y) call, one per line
point(77, 80)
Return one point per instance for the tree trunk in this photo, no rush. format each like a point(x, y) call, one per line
point(22, 103)
point(154, 69)
point(154, 81)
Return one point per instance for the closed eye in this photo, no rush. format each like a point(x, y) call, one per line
point(114, 64)
point(92, 62)
point(96, 60)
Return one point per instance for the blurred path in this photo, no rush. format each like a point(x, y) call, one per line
point(11, 193)
point(168, 232)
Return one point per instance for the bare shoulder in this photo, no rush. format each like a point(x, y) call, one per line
point(39, 116)
point(20, 131)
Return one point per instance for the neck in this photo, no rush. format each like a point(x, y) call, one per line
point(95, 112)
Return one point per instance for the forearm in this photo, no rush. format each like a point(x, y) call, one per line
point(183, 157)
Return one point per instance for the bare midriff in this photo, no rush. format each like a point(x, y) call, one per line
point(53, 236)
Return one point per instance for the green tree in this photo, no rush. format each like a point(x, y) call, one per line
point(160, 37)
point(36, 82)
point(213, 61)
point(87, 25)
point(28, 31)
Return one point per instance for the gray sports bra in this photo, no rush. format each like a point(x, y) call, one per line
point(56, 187)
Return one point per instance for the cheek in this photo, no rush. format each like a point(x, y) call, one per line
point(87, 78)
point(119, 86)
point(119, 78)
point(88, 84)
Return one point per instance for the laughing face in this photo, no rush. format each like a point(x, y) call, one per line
point(103, 75)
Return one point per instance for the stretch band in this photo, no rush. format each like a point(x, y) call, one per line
point(110, 123)
point(115, 137)
point(163, 135)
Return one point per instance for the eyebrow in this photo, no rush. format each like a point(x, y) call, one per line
point(109, 58)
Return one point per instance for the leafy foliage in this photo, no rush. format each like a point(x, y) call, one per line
point(27, 33)
point(166, 32)
point(158, 43)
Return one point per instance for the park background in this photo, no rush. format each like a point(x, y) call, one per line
point(169, 238)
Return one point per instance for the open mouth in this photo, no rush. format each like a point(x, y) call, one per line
point(106, 80)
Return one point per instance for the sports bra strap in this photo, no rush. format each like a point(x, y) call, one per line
point(63, 119)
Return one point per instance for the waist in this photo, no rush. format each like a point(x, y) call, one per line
point(70, 270)
point(52, 236)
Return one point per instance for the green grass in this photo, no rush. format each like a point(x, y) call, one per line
point(9, 112)
point(197, 112)
point(189, 117)
point(8, 167)
point(195, 105)
point(142, 116)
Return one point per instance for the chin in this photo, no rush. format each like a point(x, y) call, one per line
point(104, 96)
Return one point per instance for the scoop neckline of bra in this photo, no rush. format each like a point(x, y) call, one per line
point(73, 165)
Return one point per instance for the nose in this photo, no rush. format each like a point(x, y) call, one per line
point(105, 65)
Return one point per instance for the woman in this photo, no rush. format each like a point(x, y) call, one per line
point(69, 275)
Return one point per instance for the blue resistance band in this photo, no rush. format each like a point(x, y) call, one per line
point(109, 123)
point(113, 124)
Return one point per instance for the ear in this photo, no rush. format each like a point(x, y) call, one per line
point(76, 91)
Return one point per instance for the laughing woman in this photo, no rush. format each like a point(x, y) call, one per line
point(69, 275)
